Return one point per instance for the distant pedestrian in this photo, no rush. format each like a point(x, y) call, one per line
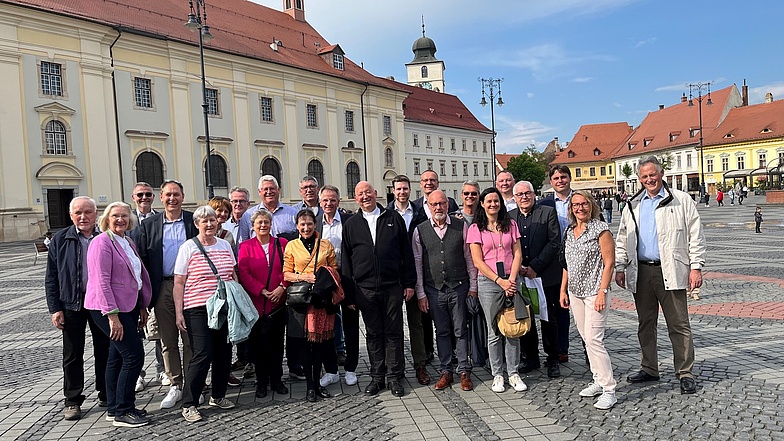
point(758, 219)
point(731, 195)
point(707, 199)
point(607, 205)
point(720, 198)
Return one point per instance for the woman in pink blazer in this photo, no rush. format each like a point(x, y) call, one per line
point(268, 292)
point(118, 293)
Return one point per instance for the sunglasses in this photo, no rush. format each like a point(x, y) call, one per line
point(146, 194)
point(470, 193)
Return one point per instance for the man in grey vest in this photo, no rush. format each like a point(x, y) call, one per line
point(445, 276)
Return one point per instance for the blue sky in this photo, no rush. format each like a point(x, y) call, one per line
point(566, 63)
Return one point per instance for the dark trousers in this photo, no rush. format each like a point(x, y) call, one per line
point(268, 354)
point(416, 332)
point(550, 334)
point(382, 312)
point(351, 343)
point(757, 226)
point(126, 358)
point(340, 341)
point(311, 356)
point(450, 315)
point(244, 352)
point(428, 325)
point(209, 347)
point(562, 318)
point(73, 356)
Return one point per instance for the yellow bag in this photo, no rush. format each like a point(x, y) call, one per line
point(508, 324)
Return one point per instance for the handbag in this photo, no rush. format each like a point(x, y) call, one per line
point(301, 293)
point(509, 325)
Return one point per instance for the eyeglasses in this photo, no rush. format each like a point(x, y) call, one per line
point(309, 187)
point(436, 204)
point(428, 180)
point(146, 194)
point(470, 193)
point(239, 202)
point(581, 204)
point(526, 194)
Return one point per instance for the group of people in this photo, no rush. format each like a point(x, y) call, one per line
point(157, 271)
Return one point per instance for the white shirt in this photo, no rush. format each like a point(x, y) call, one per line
point(371, 219)
point(333, 233)
point(141, 216)
point(407, 214)
point(136, 264)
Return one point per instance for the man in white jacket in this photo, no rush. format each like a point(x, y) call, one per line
point(660, 252)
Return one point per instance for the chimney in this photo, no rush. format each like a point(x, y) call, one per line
point(661, 106)
point(768, 97)
point(683, 98)
point(745, 94)
point(295, 8)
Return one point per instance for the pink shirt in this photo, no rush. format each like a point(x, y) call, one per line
point(491, 251)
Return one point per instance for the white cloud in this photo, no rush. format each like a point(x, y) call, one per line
point(582, 79)
point(530, 94)
point(616, 104)
point(545, 61)
point(644, 42)
point(514, 135)
point(757, 94)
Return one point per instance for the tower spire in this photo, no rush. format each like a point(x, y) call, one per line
point(423, 25)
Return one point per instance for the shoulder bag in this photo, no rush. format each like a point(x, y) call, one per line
point(508, 323)
point(300, 293)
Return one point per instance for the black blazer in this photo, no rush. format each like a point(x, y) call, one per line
point(544, 242)
point(349, 289)
point(419, 216)
point(149, 243)
point(451, 202)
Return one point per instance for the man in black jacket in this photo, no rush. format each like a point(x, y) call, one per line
point(158, 242)
point(376, 254)
point(540, 241)
point(66, 283)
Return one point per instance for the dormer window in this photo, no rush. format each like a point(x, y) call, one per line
point(674, 136)
point(766, 130)
point(596, 152)
point(337, 61)
point(333, 55)
point(729, 135)
point(632, 145)
point(646, 142)
point(694, 132)
point(570, 154)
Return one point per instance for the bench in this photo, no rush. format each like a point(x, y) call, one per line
point(40, 250)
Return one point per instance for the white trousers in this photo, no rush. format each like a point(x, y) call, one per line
point(591, 325)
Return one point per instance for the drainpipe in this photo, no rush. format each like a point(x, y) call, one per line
point(364, 141)
point(117, 116)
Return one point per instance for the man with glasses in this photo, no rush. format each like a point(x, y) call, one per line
point(142, 196)
point(309, 190)
point(428, 181)
point(504, 182)
point(158, 242)
point(283, 224)
point(470, 195)
point(540, 241)
point(240, 201)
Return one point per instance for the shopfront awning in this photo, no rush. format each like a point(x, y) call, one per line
point(738, 173)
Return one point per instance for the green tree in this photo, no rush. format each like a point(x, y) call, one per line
point(626, 171)
point(529, 166)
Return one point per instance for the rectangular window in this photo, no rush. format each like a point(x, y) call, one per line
point(688, 160)
point(142, 92)
point(465, 169)
point(442, 168)
point(578, 173)
point(476, 169)
point(349, 121)
point(337, 61)
point(312, 116)
point(709, 161)
point(387, 125)
point(454, 168)
point(212, 102)
point(763, 162)
point(428, 142)
point(453, 144)
point(441, 144)
point(473, 148)
point(464, 146)
point(741, 162)
point(416, 167)
point(603, 171)
point(51, 79)
point(484, 146)
point(486, 170)
point(725, 164)
point(430, 164)
point(609, 170)
point(592, 171)
point(416, 141)
point(678, 161)
point(266, 109)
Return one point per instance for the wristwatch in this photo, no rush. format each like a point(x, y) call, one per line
point(605, 290)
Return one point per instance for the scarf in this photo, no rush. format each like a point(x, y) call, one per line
point(320, 326)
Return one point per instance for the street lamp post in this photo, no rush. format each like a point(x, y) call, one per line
point(490, 85)
point(698, 88)
point(197, 20)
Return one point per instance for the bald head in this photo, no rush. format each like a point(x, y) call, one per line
point(365, 196)
point(439, 206)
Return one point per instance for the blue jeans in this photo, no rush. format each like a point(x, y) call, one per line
point(126, 358)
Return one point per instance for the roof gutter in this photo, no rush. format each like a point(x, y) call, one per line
point(117, 115)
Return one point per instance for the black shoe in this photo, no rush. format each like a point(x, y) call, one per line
point(279, 388)
point(396, 388)
point(341, 358)
point(641, 377)
point(530, 366)
point(131, 419)
point(688, 385)
point(261, 392)
point(553, 369)
point(323, 392)
point(374, 388)
point(311, 396)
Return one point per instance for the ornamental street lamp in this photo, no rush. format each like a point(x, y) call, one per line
point(197, 21)
point(698, 88)
point(491, 84)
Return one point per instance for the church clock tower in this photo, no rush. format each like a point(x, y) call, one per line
point(425, 70)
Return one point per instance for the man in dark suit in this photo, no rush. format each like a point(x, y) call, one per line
point(413, 214)
point(428, 181)
point(540, 240)
point(158, 242)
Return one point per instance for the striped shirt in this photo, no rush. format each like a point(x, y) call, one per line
point(201, 282)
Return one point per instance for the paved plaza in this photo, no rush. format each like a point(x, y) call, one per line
point(738, 326)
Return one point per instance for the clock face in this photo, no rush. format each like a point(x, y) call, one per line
point(427, 85)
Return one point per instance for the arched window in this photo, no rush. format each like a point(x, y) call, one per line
point(388, 157)
point(316, 170)
point(218, 173)
point(149, 168)
point(271, 167)
point(352, 177)
point(424, 71)
point(56, 139)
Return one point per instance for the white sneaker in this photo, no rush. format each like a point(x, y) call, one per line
point(191, 414)
point(517, 383)
point(328, 379)
point(139, 384)
point(351, 378)
point(498, 384)
point(165, 381)
point(174, 395)
point(593, 390)
point(606, 401)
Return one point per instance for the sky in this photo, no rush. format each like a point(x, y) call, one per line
point(566, 63)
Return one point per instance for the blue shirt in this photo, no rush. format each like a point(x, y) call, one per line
point(173, 237)
point(282, 221)
point(648, 246)
point(562, 208)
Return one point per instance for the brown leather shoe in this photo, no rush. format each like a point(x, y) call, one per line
point(422, 376)
point(445, 380)
point(465, 381)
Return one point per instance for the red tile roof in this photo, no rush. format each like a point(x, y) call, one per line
point(670, 127)
point(240, 27)
point(502, 161)
point(750, 123)
point(594, 142)
point(442, 109)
